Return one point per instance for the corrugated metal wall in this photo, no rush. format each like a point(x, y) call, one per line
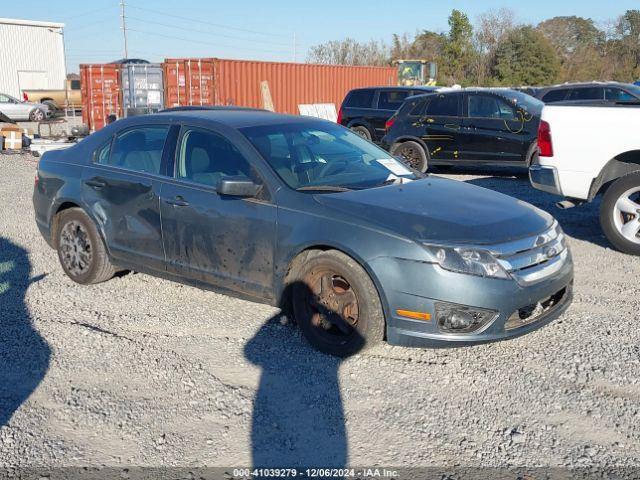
point(237, 82)
point(30, 48)
point(101, 93)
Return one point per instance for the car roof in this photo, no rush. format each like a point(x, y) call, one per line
point(584, 85)
point(236, 117)
point(397, 87)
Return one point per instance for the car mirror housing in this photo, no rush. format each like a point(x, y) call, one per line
point(237, 186)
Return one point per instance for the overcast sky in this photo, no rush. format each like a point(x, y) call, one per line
point(261, 29)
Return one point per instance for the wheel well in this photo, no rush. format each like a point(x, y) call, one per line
point(619, 166)
point(411, 139)
point(47, 99)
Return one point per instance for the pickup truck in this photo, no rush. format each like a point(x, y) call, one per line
point(587, 151)
point(57, 99)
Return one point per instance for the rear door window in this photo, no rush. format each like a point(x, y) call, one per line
point(618, 95)
point(555, 96)
point(444, 106)
point(391, 99)
point(137, 149)
point(591, 93)
point(360, 99)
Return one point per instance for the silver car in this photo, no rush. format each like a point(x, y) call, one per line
point(18, 110)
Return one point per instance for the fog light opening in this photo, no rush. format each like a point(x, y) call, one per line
point(452, 318)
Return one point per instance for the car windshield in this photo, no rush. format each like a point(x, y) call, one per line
point(528, 103)
point(634, 89)
point(322, 156)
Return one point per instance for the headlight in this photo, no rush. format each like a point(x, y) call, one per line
point(471, 261)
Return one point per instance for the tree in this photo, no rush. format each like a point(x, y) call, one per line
point(578, 43)
point(526, 57)
point(458, 48)
point(629, 31)
point(491, 28)
point(350, 52)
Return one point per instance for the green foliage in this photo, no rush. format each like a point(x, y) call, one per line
point(500, 52)
point(526, 57)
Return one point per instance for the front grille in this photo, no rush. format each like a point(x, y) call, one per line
point(529, 314)
point(533, 259)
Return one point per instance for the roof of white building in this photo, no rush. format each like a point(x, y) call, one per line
point(33, 23)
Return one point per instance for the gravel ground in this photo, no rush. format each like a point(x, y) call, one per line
point(142, 371)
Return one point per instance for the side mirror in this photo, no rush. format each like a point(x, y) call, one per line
point(237, 186)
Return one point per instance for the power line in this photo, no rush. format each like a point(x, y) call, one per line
point(172, 15)
point(173, 37)
point(233, 37)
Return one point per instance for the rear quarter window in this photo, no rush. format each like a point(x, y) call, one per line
point(360, 99)
point(555, 96)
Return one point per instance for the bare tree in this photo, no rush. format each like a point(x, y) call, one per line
point(491, 29)
point(351, 52)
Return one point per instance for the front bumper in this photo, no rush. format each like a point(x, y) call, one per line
point(417, 286)
point(545, 178)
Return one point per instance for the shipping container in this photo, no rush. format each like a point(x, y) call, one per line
point(142, 88)
point(100, 87)
point(215, 81)
point(188, 82)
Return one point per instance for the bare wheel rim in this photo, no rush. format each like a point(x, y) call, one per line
point(412, 156)
point(38, 115)
point(626, 215)
point(332, 305)
point(76, 251)
point(360, 132)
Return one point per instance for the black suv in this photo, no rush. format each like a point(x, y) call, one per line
point(590, 93)
point(465, 127)
point(366, 110)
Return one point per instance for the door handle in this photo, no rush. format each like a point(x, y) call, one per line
point(177, 201)
point(452, 126)
point(95, 183)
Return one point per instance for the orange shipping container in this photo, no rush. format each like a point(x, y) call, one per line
point(215, 81)
point(101, 95)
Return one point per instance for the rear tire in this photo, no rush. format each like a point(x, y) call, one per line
point(336, 304)
point(413, 154)
point(81, 252)
point(362, 131)
point(620, 214)
point(37, 115)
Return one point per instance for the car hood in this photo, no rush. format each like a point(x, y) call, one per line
point(440, 210)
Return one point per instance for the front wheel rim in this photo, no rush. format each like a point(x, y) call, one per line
point(332, 306)
point(412, 156)
point(626, 215)
point(76, 251)
point(38, 116)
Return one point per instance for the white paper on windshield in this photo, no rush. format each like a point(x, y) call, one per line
point(394, 166)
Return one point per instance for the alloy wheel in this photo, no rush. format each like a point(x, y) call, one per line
point(626, 215)
point(75, 247)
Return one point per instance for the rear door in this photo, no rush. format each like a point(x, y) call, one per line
point(225, 241)
point(357, 108)
point(121, 187)
point(388, 102)
point(494, 131)
point(440, 126)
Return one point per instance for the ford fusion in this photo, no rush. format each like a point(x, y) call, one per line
point(306, 215)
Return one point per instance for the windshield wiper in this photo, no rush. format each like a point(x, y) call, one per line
point(323, 188)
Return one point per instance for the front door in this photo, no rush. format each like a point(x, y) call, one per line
point(121, 189)
point(226, 241)
point(494, 131)
point(12, 108)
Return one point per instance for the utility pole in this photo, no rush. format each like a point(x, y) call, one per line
point(294, 47)
point(124, 28)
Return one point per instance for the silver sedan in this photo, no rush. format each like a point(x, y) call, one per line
point(18, 110)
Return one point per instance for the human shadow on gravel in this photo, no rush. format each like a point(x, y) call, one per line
point(581, 222)
point(298, 419)
point(24, 354)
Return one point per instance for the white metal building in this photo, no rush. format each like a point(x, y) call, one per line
point(31, 56)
